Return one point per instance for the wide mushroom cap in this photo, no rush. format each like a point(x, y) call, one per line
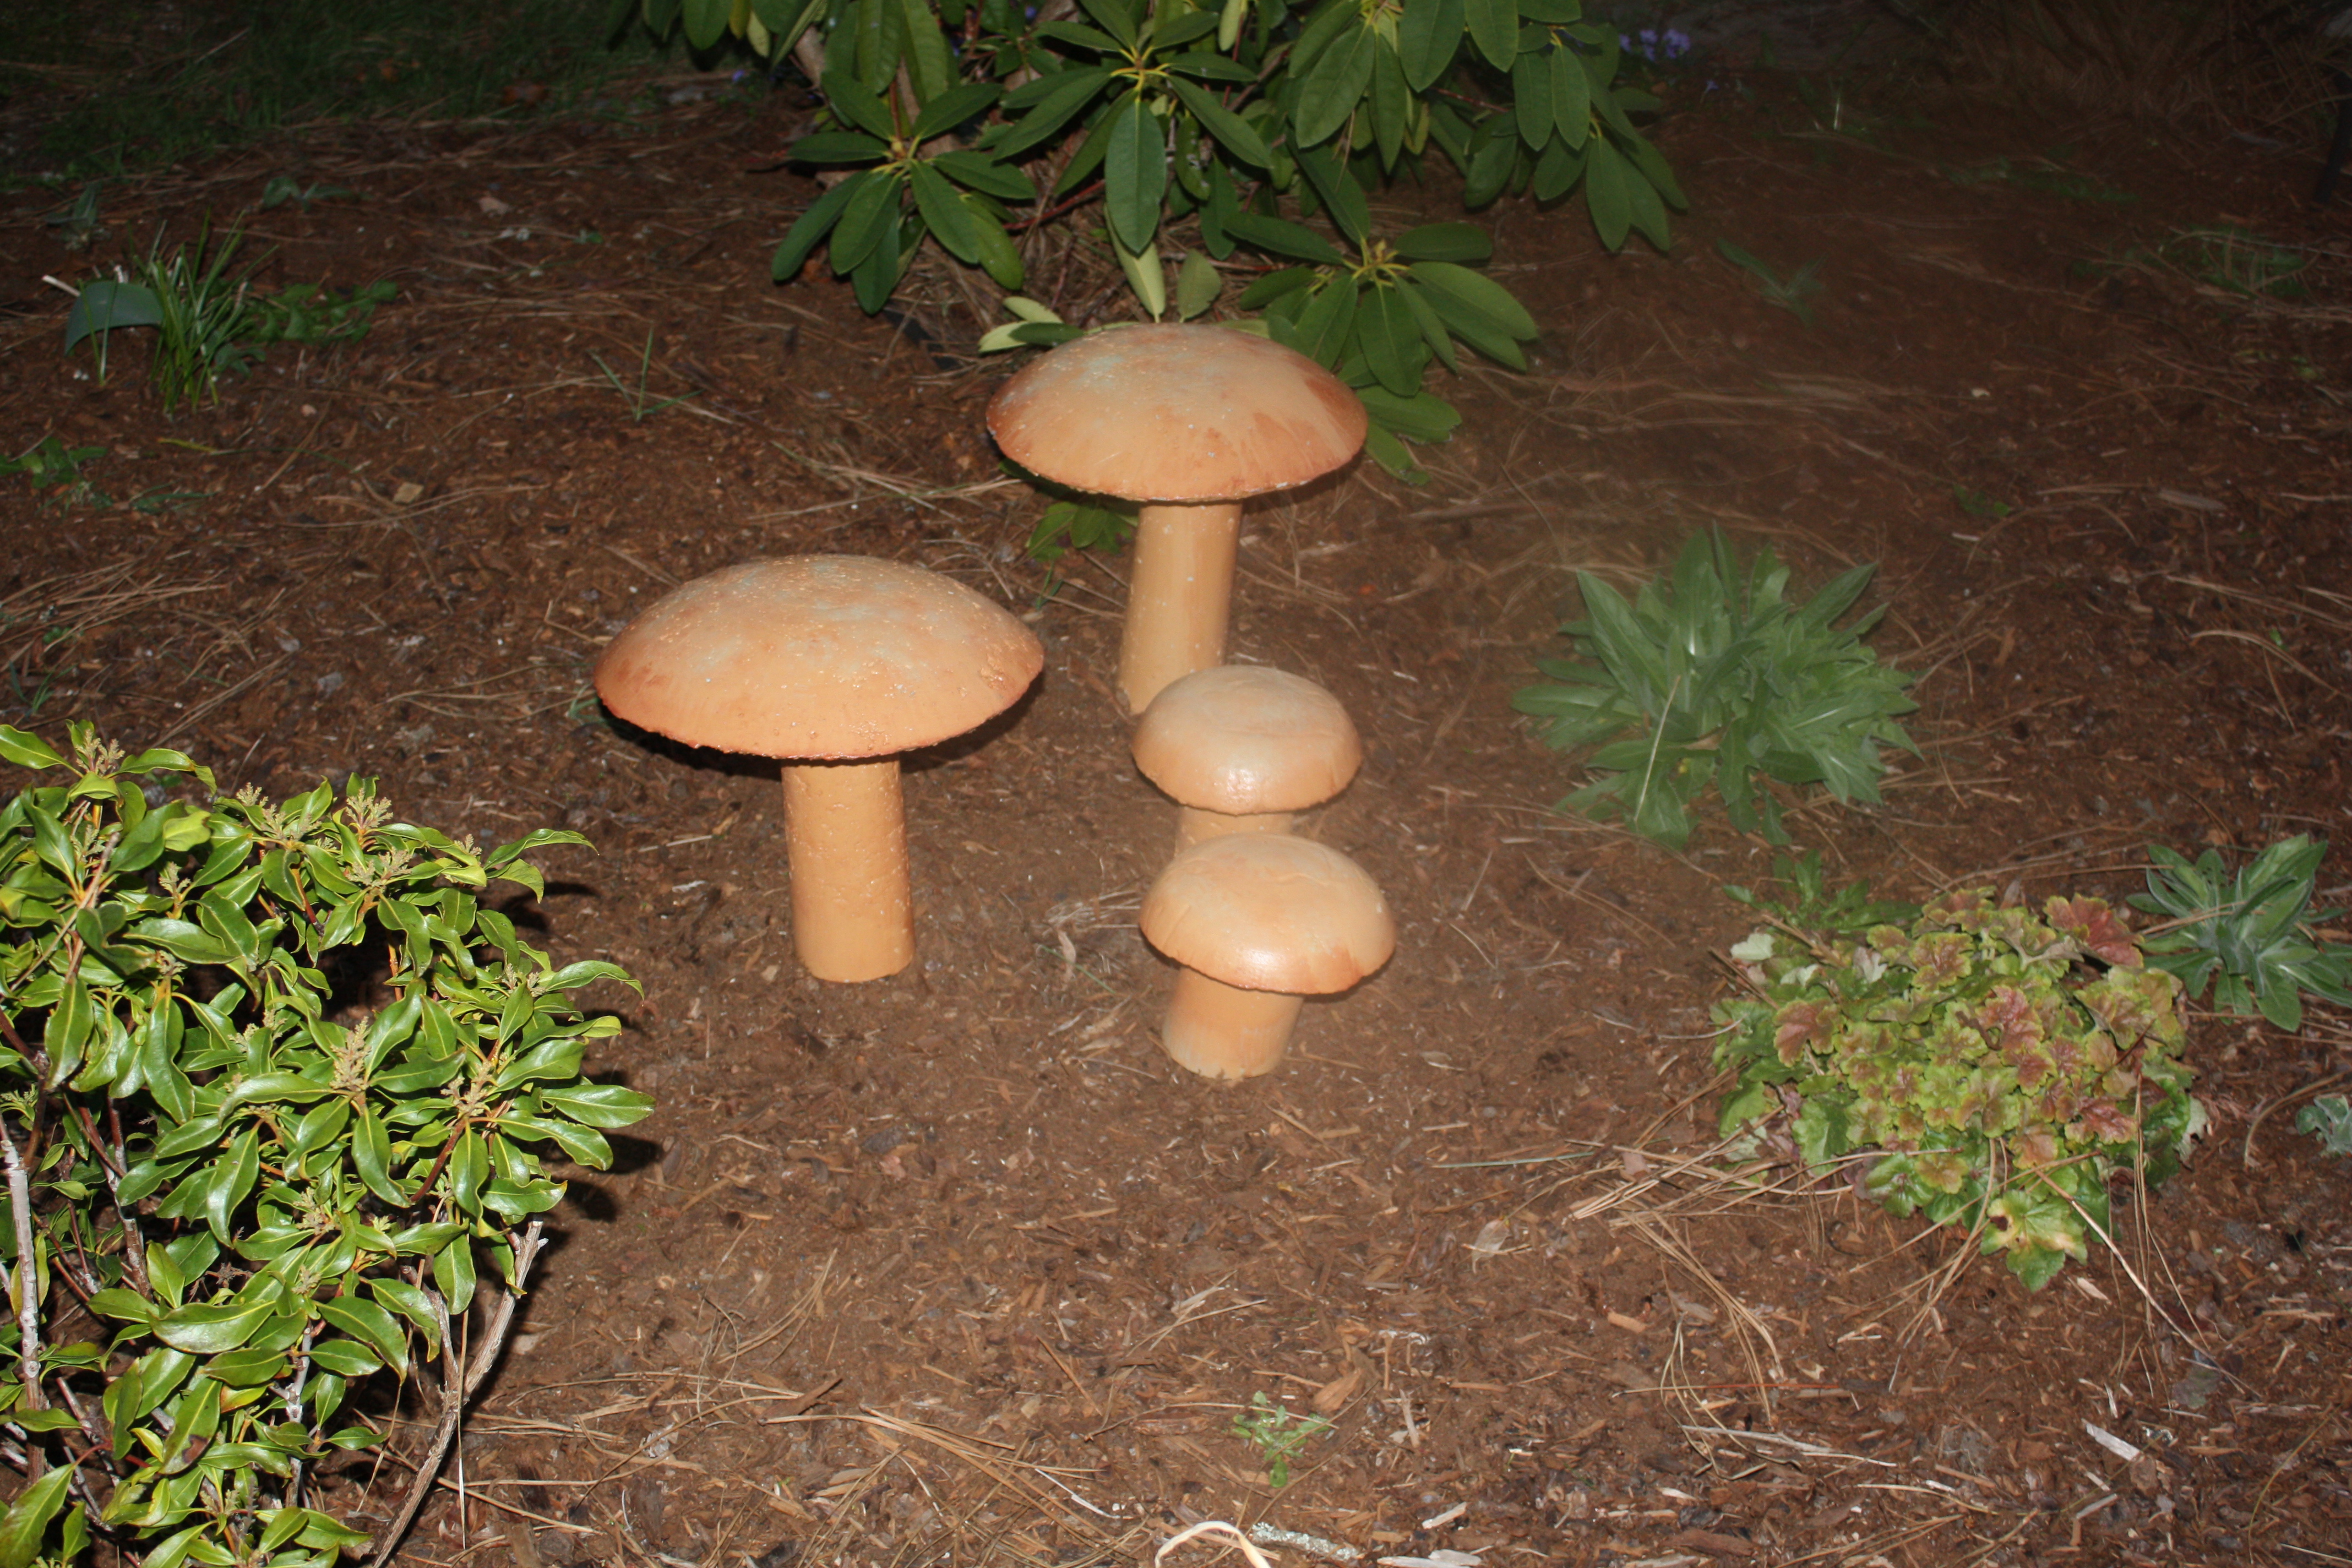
point(1241, 738)
point(1270, 914)
point(1176, 413)
point(817, 657)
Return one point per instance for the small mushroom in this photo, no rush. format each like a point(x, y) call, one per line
point(1240, 748)
point(1190, 420)
point(1259, 921)
point(835, 665)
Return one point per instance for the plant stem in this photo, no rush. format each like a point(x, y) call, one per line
point(28, 1305)
point(458, 1389)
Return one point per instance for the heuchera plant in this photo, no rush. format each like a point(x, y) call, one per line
point(276, 1093)
point(1989, 1065)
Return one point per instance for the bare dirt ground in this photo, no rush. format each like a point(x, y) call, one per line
point(956, 1267)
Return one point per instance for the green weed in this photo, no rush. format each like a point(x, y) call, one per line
point(640, 404)
point(1712, 678)
point(1278, 1435)
point(1792, 294)
point(50, 464)
point(2330, 1120)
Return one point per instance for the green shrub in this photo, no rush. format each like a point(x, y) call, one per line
point(1711, 677)
point(1210, 128)
point(1990, 1067)
point(275, 1176)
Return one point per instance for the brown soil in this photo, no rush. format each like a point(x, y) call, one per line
point(955, 1268)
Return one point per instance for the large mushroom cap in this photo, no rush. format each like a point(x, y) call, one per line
point(1270, 914)
point(1241, 738)
point(817, 657)
point(1176, 413)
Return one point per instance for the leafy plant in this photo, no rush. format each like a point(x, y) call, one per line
point(283, 188)
point(49, 464)
point(641, 406)
point(1792, 294)
point(313, 313)
point(1712, 676)
point(1989, 1066)
point(76, 222)
point(206, 324)
point(973, 123)
point(1813, 905)
point(276, 1093)
point(2248, 933)
point(2330, 1120)
point(2238, 261)
point(1278, 1435)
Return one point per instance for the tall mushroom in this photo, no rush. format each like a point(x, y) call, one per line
point(1191, 420)
point(835, 665)
point(1240, 748)
point(1259, 921)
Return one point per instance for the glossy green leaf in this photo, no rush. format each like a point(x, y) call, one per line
point(209, 1330)
point(811, 227)
point(981, 172)
point(1494, 27)
point(27, 1522)
point(1343, 199)
point(1531, 99)
point(1279, 237)
point(1232, 133)
point(1334, 83)
point(1428, 35)
point(1135, 173)
point(1198, 283)
point(944, 211)
point(1605, 196)
point(1571, 97)
point(369, 1324)
point(953, 108)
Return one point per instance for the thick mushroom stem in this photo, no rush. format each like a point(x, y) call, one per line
point(845, 838)
point(1177, 603)
point(1223, 1031)
point(1194, 824)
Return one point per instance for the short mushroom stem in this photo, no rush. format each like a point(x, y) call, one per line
point(846, 836)
point(1223, 1031)
point(1194, 824)
point(1177, 603)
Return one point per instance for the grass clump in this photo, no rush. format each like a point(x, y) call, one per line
point(1989, 1065)
point(1713, 678)
point(207, 324)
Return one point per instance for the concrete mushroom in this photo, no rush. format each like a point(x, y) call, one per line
point(835, 665)
point(1190, 420)
point(1259, 921)
point(1241, 748)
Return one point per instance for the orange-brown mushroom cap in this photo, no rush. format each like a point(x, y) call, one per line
point(1241, 738)
point(818, 657)
point(1176, 413)
point(1270, 914)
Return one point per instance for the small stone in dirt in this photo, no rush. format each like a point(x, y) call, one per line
point(882, 1142)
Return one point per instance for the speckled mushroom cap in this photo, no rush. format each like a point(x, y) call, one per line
point(1270, 912)
point(1241, 738)
point(817, 657)
point(1176, 413)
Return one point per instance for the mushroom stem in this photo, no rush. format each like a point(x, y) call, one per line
point(1223, 1031)
point(1176, 605)
point(846, 839)
point(1194, 824)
